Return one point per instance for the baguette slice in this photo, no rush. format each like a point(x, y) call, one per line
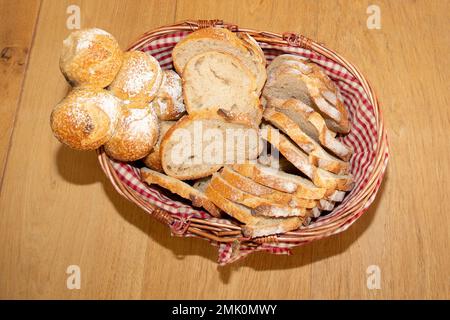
point(325, 205)
point(254, 226)
point(317, 155)
point(312, 124)
point(280, 180)
point(223, 40)
point(217, 84)
point(181, 188)
point(248, 185)
point(196, 147)
point(306, 81)
point(259, 206)
point(317, 175)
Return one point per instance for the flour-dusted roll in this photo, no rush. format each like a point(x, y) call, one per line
point(139, 78)
point(196, 147)
point(90, 57)
point(217, 84)
point(135, 135)
point(153, 159)
point(223, 40)
point(86, 118)
point(168, 103)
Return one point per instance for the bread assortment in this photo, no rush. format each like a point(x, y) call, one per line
point(204, 131)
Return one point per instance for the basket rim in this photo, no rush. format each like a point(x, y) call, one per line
point(230, 233)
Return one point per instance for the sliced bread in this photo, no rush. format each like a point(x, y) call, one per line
point(248, 185)
point(196, 147)
point(317, 155)
point(217, 84)
point(181, 188)
point(281, 181)
point(312, 124)
point(307, 82)
point(318, 176)
point(255, 226)
point(223, 40)
point(259, 205)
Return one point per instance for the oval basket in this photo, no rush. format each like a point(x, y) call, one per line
point(367, 137)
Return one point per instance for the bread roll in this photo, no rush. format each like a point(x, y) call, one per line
point(139, 78)
point(135, 134)
point(86, 118)
point(153, 159)
point(168, 103)
point(90, 57)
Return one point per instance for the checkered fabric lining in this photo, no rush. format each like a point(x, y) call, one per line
point(363, 139)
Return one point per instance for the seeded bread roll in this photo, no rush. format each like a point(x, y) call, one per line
point(135, 135)
point(223, 40)
point(138, 79)
point(197, 147)
point(90, 57)
point(86, 118)
point(153, 159)
point(216, 84)
point(168, 103)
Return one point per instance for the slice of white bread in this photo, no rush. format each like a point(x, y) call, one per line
point(317, 155)
point(196, 147)
point(153, 159)
point(312, 124)
point(318, 176)
point(255, 226)
point(307, 82)
point(217, 84)
point(223, 40)
point(258, 205)
point(181, 188)
point(326, 205)
point(248, 185)
point(280, 180)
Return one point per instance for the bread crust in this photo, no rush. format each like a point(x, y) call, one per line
point(90, 57)
point(153, 159)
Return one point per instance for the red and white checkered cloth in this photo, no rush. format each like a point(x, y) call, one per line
point(363, 139)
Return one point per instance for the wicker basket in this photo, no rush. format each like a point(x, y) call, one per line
point(368, 138)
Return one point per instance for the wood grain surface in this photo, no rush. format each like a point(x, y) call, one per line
point(58, 209)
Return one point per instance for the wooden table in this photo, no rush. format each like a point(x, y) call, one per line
point(58, 209)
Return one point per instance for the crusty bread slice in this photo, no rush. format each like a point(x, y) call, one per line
point(255, 226)
point(153, 159)
point(181, 188)
point(222, 40)
point(217, 84)
point(326, 205)
point(279, 180)
point(265, 227)
point(317, 155)
point(196, 147)
point(248, 185)
point(258, 205)
point(312, 124)
point(318, 176)
point(307, 82)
